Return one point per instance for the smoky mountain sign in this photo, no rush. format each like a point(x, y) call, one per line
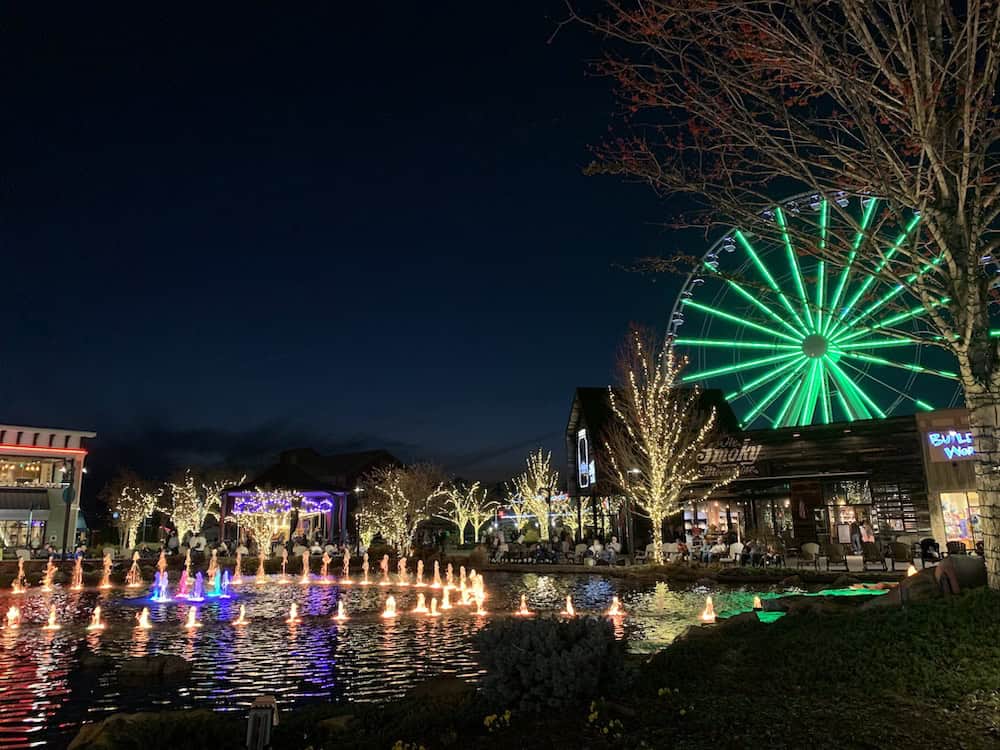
point(720, 458)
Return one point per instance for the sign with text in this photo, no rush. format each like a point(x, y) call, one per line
point(720, 459)
point(950, 445)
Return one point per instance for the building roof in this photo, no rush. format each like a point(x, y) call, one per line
point(304, 469)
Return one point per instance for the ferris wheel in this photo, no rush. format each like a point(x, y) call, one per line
point(793, 340)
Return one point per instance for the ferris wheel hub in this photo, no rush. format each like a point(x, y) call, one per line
point(814, 346)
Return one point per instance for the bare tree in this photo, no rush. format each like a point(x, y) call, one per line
point(657, 433)
point(730, 101)
point(465, 504)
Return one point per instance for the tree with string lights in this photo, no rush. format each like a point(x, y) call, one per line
point(396, 499)
point(657, 432)
point(132, 501)
point(530, 492)
point(730, 101)
point(467, 504)
point(193, 502)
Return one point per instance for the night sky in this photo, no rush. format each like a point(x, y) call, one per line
point(229, 231)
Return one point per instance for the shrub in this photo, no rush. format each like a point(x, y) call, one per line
point(543, 664)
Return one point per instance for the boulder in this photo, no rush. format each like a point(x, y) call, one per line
point(958, 572)
point(739, 620)
point(706, 583)
point(792, 582)
point(843, 581)
point(155, 666)
point(445, 689)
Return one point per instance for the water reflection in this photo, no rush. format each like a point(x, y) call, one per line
point(47, 691)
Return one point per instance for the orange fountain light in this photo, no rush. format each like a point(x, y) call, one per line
point(615, 610)
point(569, 611)
point(341, 615)
point(911, 571)
point(523, 611)
point(390, 608)
point(13, 618)
point(142, 619)
point(51, 623)
point(192, 619)
point(242, 619)
point(708, 614)
point(293, 615)
point(95, 620)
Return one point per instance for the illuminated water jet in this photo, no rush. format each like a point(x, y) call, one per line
point(133, 579)
point(106, 565)
point(523, 611)
point(324, 575)
point(51, 623)
point(421, 607)
point(390, 607)
point(345, 574)
point(283, 578)
point(192, 618)
point(419, 583)
point(757, 605)
point(13, 618)
point(77, 583)
point(615, 610)
point(384, 570)
point(569, 610)
point(293, 615)
point(436, 583)
point(364, 570)
point(434, 609)
point(161, 582)
point(261, 573)
point(449, 577)
point(242, 619)
point(95, 620)
point(213, 565)
point(198, 592)
point(238, 570)
point(50, 572)
point(402, 575)
point(142, 619)
point(161, 564)
point(20, 584)
point(446, 600)
point(224, 593)
point(182, 586)
point(304, 580)
point(708, 614)
point(341, 615)
point(911, 570)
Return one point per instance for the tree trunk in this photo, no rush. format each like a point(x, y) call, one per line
point(984, 418)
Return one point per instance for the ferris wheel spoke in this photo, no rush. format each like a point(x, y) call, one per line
point(739, 367)
point(734, 344)
point(871, 278)
point(816, 377)
point(849, 390)
point(793, 394)
point(824, 402)
point(922, 404)
point(844, 405)
point(824, 217)
point(793, 262)
point(875, 344)
point(773, 394)
point(757, 382)
point(866, 218)
point(888, 322)
point(749, 297)
point(901, 365)
point(738, 320)
point(741, 238)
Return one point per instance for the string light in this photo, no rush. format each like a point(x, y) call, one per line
point(465, 505)
point(659, 429)
point(396, 499)
point(133, 506)
point(530, 491)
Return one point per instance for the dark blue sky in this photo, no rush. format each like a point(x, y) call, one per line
point(232, 230)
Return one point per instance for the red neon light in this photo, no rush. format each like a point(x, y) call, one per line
point(40, 449)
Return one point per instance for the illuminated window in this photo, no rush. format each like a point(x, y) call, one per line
point(961, 517)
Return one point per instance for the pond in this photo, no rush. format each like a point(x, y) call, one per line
point(46, 694)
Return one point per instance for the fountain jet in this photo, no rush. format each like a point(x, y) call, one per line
point(242, 619)
point(192, 618)
point(708, 614)
point(283, 578)
point(324, 575)
point(341, 615)
point(51, 623)
point(77, 582)
point(133, 579)
point(449, 577)
point(238, 570)
point(50, 572)
point(419, 583)
point(161, 582)
point(19, 585)
point(198, 592)
point(421, 607)
point(523, 611)
point(569, 611)
point(95, 620)
point(261, 573)
point(446, 600)
point(106, 566)
point(364, 570)
point(384, 569)
point(293, 615)
point(757, 604)
point(390, 607)
point(615, 610)
point(436, 583)
point(213, 565)
point(345, 575)
point(142, 619)
point(404, 577)
point(13, 618)
point(182, 586)
point(304, 580)
point(434, 609)
point(224, 592)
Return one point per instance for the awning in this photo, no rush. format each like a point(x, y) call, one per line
point(24, 499)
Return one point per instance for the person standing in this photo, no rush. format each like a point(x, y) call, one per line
point(856, 537)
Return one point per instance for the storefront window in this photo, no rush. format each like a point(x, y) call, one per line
point(895, 510)
point(961, 517)
point(25, 471)
point(848, 502)
point(16, 534)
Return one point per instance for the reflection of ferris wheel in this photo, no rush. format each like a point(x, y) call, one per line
point(793, 340)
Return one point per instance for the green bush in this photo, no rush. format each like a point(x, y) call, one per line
point(535, 665)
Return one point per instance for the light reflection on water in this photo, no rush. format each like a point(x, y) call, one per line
point(46, 694)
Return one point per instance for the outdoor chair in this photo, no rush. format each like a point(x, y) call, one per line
point(957, 548)
point(809, 555)
point(872, 555)
point(901, 553)
point(734, 556)
point(579, 552)
point(930, 551)
point(835, 555)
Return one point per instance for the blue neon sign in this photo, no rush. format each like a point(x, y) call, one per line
point(951, 445)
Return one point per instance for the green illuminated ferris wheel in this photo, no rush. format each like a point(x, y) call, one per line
point(793, 339)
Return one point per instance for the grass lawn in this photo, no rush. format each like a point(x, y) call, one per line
point(924, 676)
